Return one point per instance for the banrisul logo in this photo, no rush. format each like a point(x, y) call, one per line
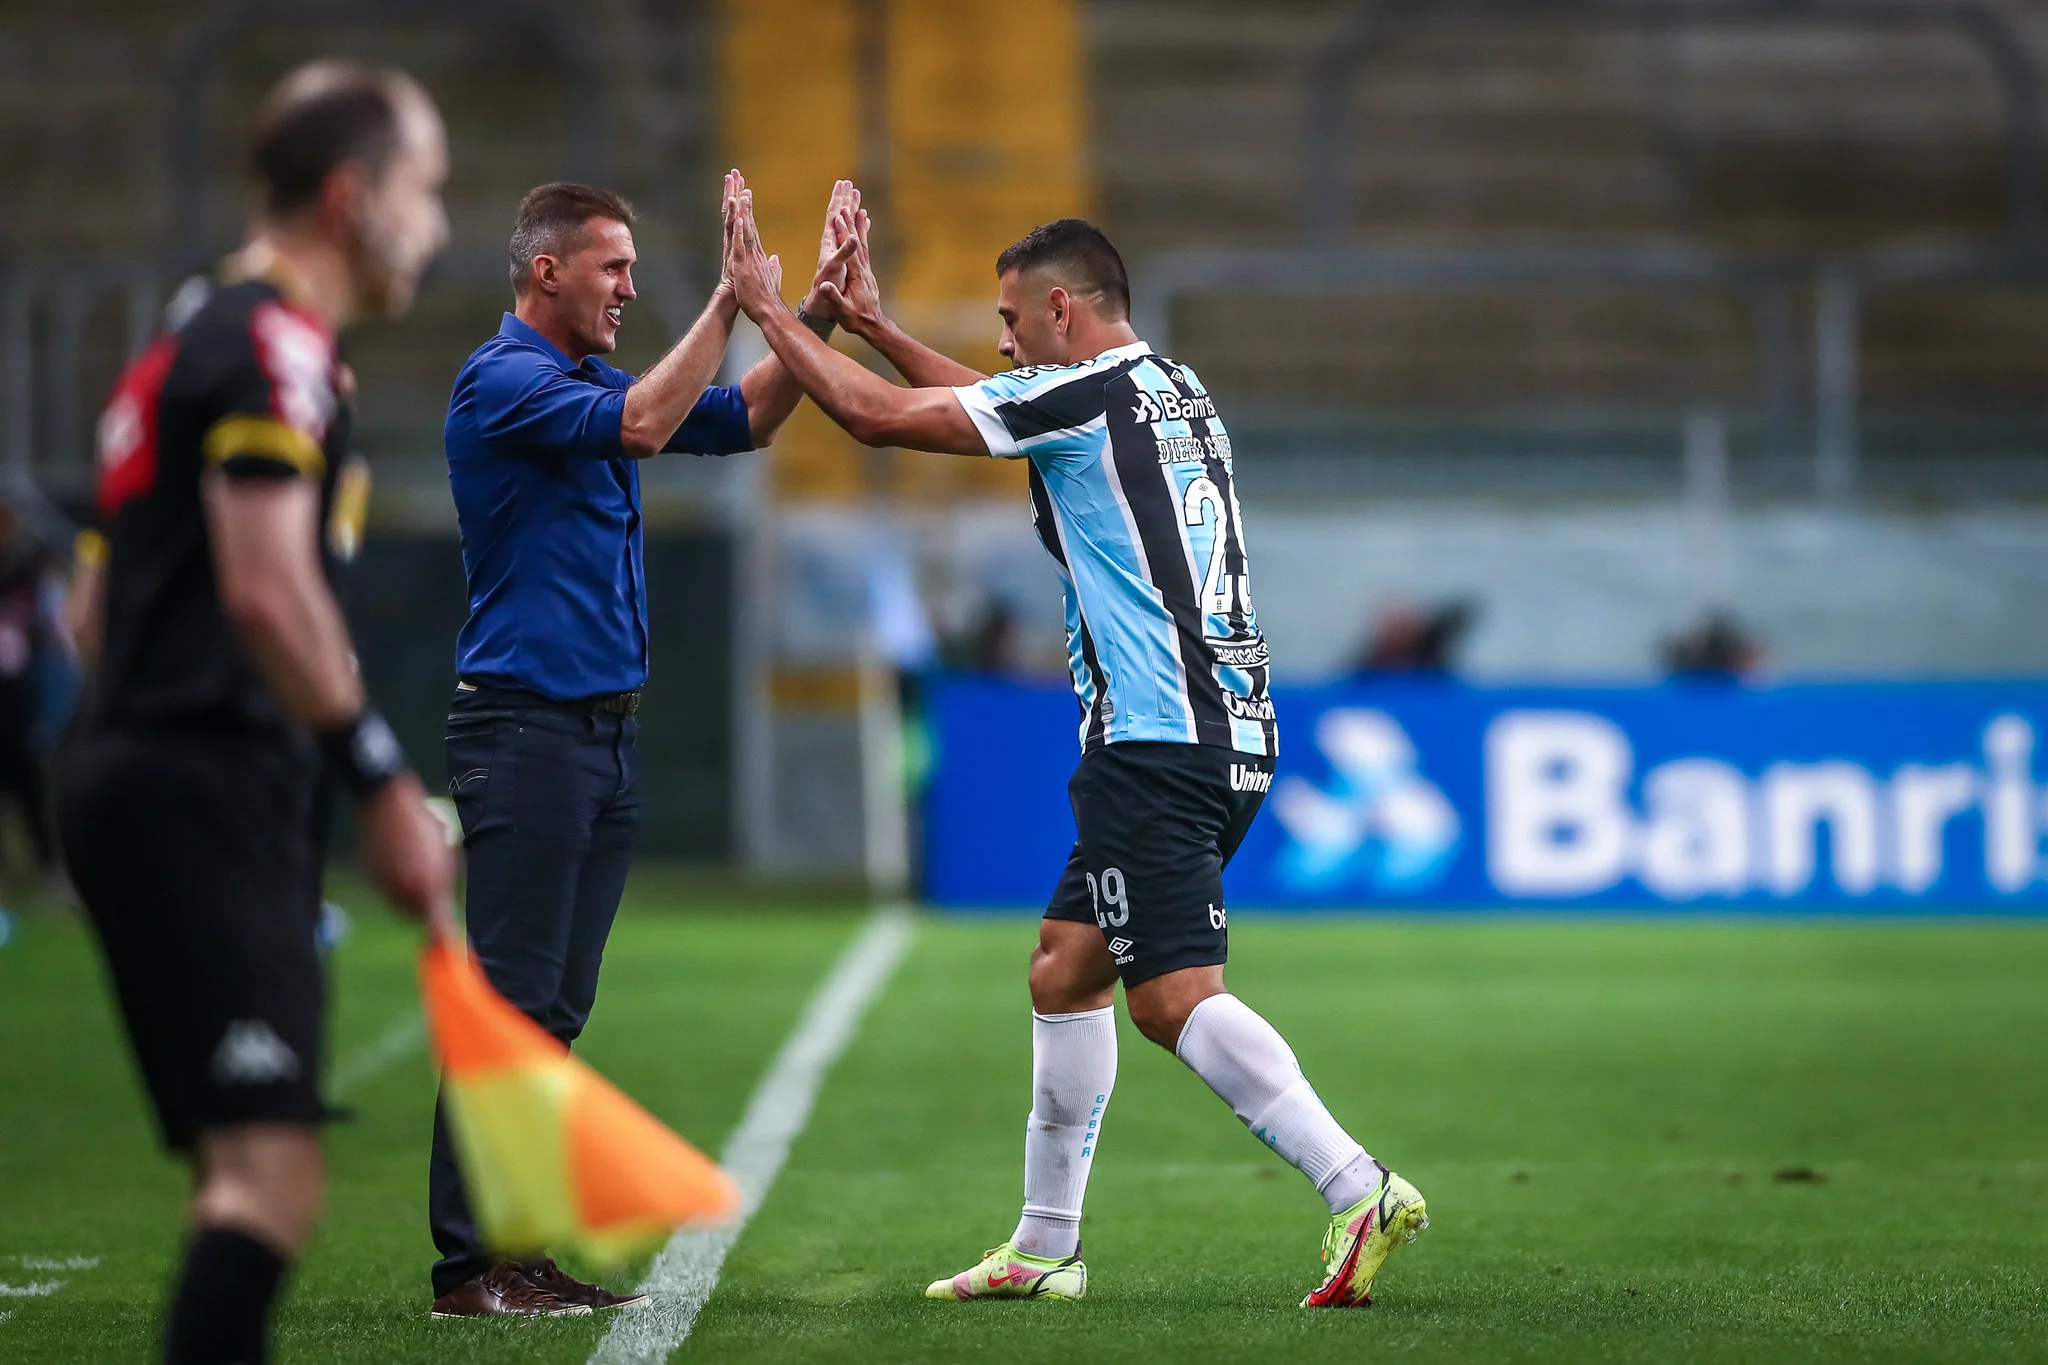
point(1567, 817)
point(1379, 824)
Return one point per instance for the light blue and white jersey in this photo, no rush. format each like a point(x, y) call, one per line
point(1132, 494)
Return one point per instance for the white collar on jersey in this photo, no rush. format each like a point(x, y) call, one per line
point(1131, 351)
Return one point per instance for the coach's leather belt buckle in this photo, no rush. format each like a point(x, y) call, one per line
point(617, 704)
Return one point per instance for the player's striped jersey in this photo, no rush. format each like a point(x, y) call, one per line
point(1132, 494)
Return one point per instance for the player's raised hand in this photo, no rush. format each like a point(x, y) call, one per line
point(833, 253)
point(856, 299)
point(405, 850)
point(756, 276)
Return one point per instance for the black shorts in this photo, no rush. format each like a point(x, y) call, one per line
point(194, 857)
point(1158, 824)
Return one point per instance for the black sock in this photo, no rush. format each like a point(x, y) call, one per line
point(220, 1312)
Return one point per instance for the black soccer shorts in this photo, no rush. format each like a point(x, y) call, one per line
point(1158, 823)
point(194, 857)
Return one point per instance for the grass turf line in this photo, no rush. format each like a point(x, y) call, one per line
point(1575, 1099)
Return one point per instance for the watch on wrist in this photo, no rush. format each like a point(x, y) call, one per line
point(822, 326)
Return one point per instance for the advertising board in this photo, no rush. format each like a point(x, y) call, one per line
point(1884, 798)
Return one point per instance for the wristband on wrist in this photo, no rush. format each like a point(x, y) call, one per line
point(822, 326)
point(363, 753)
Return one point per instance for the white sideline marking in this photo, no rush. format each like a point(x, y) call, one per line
point(53, 1262)
point(686, 1271)
point(398, 1040)
point(30, 1291)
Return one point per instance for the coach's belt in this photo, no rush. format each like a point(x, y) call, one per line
point(612, 704)
point(604, 704)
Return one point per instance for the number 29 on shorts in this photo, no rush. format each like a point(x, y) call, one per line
point(1109, 892)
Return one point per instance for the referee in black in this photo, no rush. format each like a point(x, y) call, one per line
point(225, 683)
point(544, 441)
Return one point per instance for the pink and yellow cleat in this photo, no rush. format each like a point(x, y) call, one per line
point(1362, 1237)
point(1007, 1273)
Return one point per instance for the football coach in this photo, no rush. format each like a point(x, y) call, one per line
point(543, 441)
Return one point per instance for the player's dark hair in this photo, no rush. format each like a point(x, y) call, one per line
point(553, 219)
point(1078, 253)
point(322, 116)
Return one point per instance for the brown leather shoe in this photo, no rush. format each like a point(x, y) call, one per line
point(569, 1289)
point(505, 1291)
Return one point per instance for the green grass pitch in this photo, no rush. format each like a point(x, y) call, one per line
point(1598, 1111)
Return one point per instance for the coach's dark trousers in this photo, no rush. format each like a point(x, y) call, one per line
point(549, 795)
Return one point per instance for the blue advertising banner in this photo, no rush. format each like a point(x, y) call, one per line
point(1840, 797)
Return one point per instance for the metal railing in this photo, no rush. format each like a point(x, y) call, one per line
point(1827, 375)
point(43, 400)
point(47, 402)
point(587, 109)
point(1371, 27)
point(1765, 287)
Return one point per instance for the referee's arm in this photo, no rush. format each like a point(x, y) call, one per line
point(274, 593)
point(265, 536)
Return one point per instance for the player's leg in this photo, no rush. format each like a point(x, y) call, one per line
point(1073, 1071)
point(1173, 874)
point(1180, 818)
point(1251, 1068)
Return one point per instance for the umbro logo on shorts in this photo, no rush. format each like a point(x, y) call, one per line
point(251, 1053)
point(1121, 948)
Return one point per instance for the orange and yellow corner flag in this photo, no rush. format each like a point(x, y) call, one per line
point(554, 1155)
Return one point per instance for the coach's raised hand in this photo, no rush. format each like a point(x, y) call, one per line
point(755, 276)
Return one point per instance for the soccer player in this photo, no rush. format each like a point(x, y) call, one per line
point(1131, 490)
point(225, 683)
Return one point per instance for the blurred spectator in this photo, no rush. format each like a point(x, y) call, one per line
point(990, 644)
point(901, 629)
point(1406, 640)
point(37, 681)
point(1715, 647)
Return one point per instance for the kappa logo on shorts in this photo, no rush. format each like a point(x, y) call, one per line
point(251, 1053)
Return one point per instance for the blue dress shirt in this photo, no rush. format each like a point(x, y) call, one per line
point(549, 507)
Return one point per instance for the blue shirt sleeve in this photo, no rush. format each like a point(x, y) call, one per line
point(524, 399)
point(717, 425)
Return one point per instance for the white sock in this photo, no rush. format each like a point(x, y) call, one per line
point(1073, 1069)
point(1249, 1065)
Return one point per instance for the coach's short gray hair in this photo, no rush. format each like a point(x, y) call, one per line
point(552, 220)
